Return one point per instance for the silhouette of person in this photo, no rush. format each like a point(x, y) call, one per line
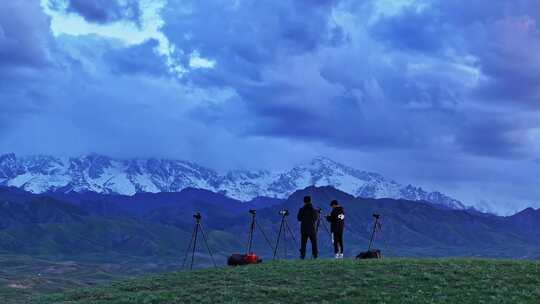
point(308, 217)
point(337, 225)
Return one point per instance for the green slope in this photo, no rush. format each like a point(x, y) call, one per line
point(25, 277)
point(329, 281)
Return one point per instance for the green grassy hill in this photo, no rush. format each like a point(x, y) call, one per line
point(329, 281)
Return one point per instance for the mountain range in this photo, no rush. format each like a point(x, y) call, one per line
point(105, 175)
point(157, 226)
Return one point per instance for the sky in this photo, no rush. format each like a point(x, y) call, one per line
point(442, 94)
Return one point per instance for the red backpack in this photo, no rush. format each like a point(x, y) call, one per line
point(238, 259)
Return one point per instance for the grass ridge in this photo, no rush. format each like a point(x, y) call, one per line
point(329, 281)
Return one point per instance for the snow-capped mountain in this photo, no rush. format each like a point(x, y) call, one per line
point(97, 173)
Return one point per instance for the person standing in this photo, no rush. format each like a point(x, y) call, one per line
point(308, 217)
point(337, 225)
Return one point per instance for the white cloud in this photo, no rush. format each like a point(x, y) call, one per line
point(126, 32)
point(393, 7)
point(198, 62)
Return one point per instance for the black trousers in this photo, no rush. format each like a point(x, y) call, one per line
point(337, 238)
point(314, 250)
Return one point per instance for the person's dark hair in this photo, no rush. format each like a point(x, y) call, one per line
point(307, 199)
point(334, 203)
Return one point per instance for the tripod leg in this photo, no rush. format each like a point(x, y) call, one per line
point(285, 244)
point(250, 237)
point(326, 228)
point(381, 236)
point(292, 234)
point(189, 247)
point(265, 237)
point(194, 245)
point(372, 234)
point(206, 243)
point(278, 237)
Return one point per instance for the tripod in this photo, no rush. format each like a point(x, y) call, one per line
point(255, 224)
point(324, 225)
point(193, 242)
point(376, 226)
point(283, 227)
point(319, 221)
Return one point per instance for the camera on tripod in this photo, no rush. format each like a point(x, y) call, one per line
point(372, 253)
point(252, 211)
point(192, 247)
point(284, 212)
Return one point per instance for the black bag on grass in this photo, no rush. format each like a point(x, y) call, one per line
point(370, 254)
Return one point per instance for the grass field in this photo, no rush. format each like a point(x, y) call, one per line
point(329, 281)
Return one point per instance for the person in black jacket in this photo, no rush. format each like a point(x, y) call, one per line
point(308, 217)
point(337, 225)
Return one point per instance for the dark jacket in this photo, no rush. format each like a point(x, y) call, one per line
point(308, 217)
point(337, 220)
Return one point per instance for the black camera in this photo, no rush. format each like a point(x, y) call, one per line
point(252, 211)
point(377, 216)
point(197, 216)
point(284, 212)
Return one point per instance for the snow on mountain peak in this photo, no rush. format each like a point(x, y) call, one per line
point(102, 174)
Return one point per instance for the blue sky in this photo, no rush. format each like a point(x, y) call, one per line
point(444, 94)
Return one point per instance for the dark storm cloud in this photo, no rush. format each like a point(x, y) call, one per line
point(345, 96)
point(412, 87)
point(244, 40)
point(502, 40)
point(271, 32)
point(413, 30)
point(245, 36)
point(503, 37)
point(26, 51)
point(510, 60)
point(106, 11)
point(491, 136)
point(24, 35)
